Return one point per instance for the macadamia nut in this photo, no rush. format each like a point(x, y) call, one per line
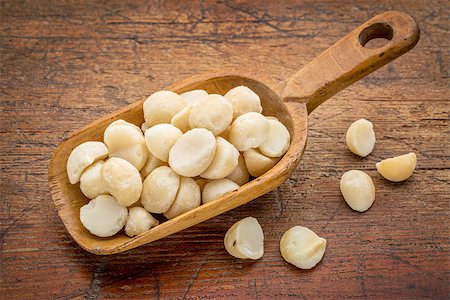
point(358, 190)
point(302, 247)
point(224, 162)
point(193, 97)
point(91, 182)
point(249, 130)
point(278, 140)
point(120, 135)
point(103, 216)
point(160, 189)
point(139, 220)
point(217, 188)
point(213, 112)
point(181, 119)
point(188, 197)
point(122, 180)
point(244, 100)
point(245, 239)
point(161, 106)
point(257, 163)
point(136, 155)
point(398, 168)
point(151, 164)
point(240, 173)
point(360, 137)
point(160, 139)
point(82, 157)
point(193, 152)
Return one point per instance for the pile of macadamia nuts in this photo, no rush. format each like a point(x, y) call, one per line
point(192, 148)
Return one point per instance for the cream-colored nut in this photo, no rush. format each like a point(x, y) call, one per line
point(122, 180)
point(123, 122)
point(302, 247)
point(144, 127)
point(249, 131)
point(181, 119)
point(91, 182)
point(160, 139)
point(240, 173)
point(217, 188)
point(139, 220)
point(160, 189)
point(194, 96)
point(103, 216)
point(244, 100)
point(358, 190)
point(213, 112)
point(245, 239)
point(201, 182)
point(161, 106)
point(398, 168)
point(151, 164)
point(188, 197)
point(118, 136)
point(136, 155)
point(360, 137)
point(82, 156)
point(278, 140)
point(193, 152)
point(257, 163)
point(224, 162)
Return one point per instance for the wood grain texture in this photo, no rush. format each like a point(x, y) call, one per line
point(67, 63)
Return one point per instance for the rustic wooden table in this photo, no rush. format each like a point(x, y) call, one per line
point(66, 63)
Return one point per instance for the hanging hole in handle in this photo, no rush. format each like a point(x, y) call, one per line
point(376, 35)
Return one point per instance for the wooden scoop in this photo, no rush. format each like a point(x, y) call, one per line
point(291, 101)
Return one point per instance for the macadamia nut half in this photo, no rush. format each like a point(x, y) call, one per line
point(120, 135)
point(193, 152)
point(217, 188)
point(213, 112)
point(224, 162)
point(91, 182)
point(161, 106)
point(122, 180)
point(240, 174)
point(358, 190)
point(278, 140)
point(82, 157)
point(245, 239)
point(360, 137)
point(160, 139)
point(249, 130)
point(257, 163)
point(160, 189)
point(193, 97)
point(188, 197)
point(302, 247)
point(398, 168)
point(103, 216)
point(139, 220)
point(181, 119)
point(244, 100)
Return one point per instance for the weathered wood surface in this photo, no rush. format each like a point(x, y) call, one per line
point(66, 63)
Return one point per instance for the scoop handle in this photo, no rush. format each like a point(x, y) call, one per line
point(348, 60)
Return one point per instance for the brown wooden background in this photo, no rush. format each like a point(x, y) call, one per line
point(66, 63)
